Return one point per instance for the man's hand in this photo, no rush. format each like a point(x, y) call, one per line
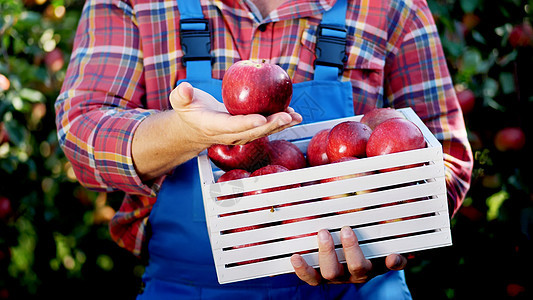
point(210, 122)
point(169, 138)
point(357, 268)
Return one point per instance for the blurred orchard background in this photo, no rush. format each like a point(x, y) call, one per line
point(54, 240)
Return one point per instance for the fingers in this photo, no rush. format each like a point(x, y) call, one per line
point(330, 268)
point(358, 266)
point(357, 269)
point(305, 272)
point(182, 95)
point(243, 128)
point(395, 261)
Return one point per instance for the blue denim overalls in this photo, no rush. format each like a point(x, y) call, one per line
point(180, 258)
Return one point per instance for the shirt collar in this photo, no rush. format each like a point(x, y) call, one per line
point(291, 9)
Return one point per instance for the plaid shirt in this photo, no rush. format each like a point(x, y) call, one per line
point(127, 59)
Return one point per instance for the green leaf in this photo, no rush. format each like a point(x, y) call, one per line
point(507, 82)
point(490, 88)
point(471, 61)
point(31, 17)
point(105, 262)
point(8, 165)
point(15, 131)
point(469, 6)
point(478, 37)
point(508, 58)
point(32, 95)
point(494, 202)
point(488, 101)
point(453, 49)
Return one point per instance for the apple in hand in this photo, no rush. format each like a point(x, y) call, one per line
point(376, 116)
point(287, 154)
point(316, 149)
point(348, 138)
point(395, 135)
point(250, 87)
point(249, 157)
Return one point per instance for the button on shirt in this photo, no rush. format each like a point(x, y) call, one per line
point(127, 59)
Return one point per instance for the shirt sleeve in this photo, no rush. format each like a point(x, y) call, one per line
point(100, 104)
point(418, 77)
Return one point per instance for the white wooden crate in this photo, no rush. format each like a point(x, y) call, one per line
point(405, 211)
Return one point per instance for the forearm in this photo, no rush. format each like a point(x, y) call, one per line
point(161, 143)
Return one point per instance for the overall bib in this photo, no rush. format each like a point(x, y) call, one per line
point(180, 259)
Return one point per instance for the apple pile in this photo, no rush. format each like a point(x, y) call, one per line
point(380, 131)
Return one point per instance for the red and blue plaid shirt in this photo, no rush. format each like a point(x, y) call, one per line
point(127, 59)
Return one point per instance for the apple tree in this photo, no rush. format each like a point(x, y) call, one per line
point(53, 232)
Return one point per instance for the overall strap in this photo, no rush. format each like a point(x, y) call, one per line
point(331, 43)
point(195, 39)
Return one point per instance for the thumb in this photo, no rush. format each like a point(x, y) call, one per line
point(182, 95)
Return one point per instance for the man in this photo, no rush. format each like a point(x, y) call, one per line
point(125, 125)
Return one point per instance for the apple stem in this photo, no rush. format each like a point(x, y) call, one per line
point(263, 60)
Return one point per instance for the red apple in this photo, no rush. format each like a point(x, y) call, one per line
point(5, 208)
point(54, 60)
point(246, 228)
point(4, 83)
point(467, 99)
point(510, 138)
point(4, 136)
point(232, 175)
point(376, 116)
point(348, 138)
point(316, 149)
point(346, 177)
point(521, 35)
point(249, 157)
point(471, 213)
point(515, 289)
point(270, 169)
point(287, 154)
point(395, 135)
point(250, 87)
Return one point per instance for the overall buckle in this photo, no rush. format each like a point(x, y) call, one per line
point(195, 40)
point(331, 46)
